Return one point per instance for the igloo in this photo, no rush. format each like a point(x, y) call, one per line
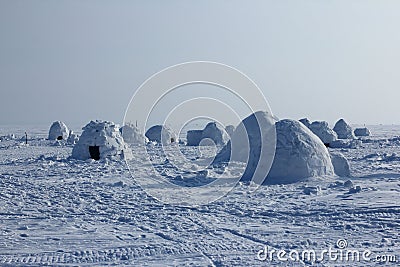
point(160, 134)
point(214, 132)
point(99, 140)
point(132, 135)
point(58, 131)
point(193, 137)
point(322, 130)
point(343, 130)
point(299, 153)
point(360, 132)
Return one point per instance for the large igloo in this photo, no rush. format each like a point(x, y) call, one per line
point(99, 140)
point(299, 153)
point(343, 130)
point(160, 134)
point(132, 135)
point(322, 130)
point(58, 131)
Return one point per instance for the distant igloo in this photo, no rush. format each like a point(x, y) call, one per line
point(160, 134)
point(132, 135)
point(306, 122)
point(193, 137)
point(299, 153)
point(99, 140)
point(214, 132)
point(58, 131)
point(343, 130)
point(322, 130)
point(360, 132)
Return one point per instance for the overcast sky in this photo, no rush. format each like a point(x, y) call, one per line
point(81, 60)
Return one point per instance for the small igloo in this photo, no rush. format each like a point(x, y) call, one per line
point(58, 131)
point(360, 132)
point(322, 130)
point(299, 153)
point(343, 130)
point(132, 135)
point(214, 132)
point(99, 140)
point(160, 134)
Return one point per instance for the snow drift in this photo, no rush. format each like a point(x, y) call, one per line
point(100, 139)
point(359, 132)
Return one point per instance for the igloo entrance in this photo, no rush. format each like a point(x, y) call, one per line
point(94, 152)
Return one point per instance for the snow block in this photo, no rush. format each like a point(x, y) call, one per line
point(132, 135)
point(160, 134)
point(193, 137)
point(322, 130)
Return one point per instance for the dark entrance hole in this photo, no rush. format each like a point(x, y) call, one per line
point(59, 137)
point(94, 152)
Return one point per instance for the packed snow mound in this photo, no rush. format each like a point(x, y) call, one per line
point(322, 130)
point(343, 130)
point(340, 165)
point(160, 134)
point(58, 131)
point(193, 137)
point(359, 132)
point(214, 132)
point(306, 122)
point(99, 140)
point(132, 135)
point(299, 153)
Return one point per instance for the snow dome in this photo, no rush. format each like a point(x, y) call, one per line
point(132, 135)
point(214, 132)
point(343, 130)
point(58, 131)
point(299, 153)
point(362, 132)
point(322, 130)
point(160, 134)
point(100, 139)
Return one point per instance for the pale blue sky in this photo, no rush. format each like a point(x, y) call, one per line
point(81, 60)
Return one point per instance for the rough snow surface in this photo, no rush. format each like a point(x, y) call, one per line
point(57, 211)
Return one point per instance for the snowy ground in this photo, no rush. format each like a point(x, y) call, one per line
point(58, 211)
